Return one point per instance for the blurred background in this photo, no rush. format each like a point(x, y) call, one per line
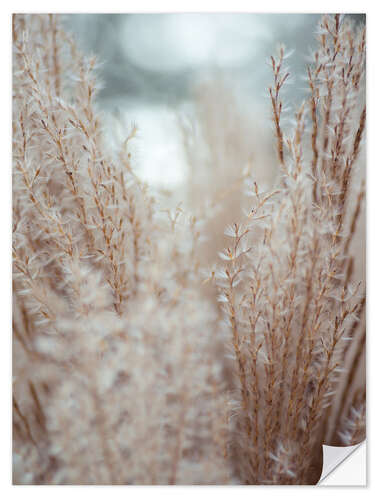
point(189, 79)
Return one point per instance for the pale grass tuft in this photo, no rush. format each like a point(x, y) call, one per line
point(120, 375)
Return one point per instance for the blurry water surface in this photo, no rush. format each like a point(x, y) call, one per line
point(153, 63)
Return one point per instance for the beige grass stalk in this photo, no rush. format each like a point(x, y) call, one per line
point(297, 302)
point(118, 369)
point(114, 375)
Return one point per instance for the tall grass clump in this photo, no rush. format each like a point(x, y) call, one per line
point(288, 286)
point(119, 374)
point(115, 381)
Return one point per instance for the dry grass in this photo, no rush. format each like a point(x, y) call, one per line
point(114, 377)
point(119, 376)
point(287, 288)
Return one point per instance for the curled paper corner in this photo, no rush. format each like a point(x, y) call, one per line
point(352, 470)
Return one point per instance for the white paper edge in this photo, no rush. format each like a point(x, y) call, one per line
point(344, 466)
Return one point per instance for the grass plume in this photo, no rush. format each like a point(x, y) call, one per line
point(118, 369)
